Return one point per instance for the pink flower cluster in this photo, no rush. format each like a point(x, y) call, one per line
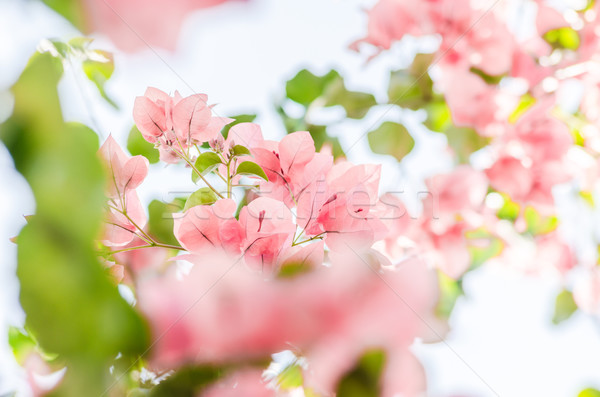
point(260, 283)
point(175, 123)
point(222, 313)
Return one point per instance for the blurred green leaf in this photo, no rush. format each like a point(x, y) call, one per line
point(564, 307)
point(98, 69)
point(305, 87)
point(187, 382)
point(465, 141)
point(482, 246)
point(21, 343)
point(71, 306)
point(527, 101)
point(80, 43)
point(412, 88)
point(563, 38)
point(391, 138)
point(510, 210)
point(356, 104)
point(450, 291)
point(364, 379)
point(293, 269)
point(202, 196)
point(290, 378)
point(439, 118)
point(72, 10)
point(538, 224)
point(252, 169)
point(589, 392)
point(320, 136)
point(160, 221)
point(489, 79)
point(588, 197)
point(205, 163)
point(137, 145)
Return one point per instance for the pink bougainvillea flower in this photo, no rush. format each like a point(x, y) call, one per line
point(126, 213)
point(468, 98)
point(291, 165)
point(134, 25)
point(120, 229)
point(268, 227)
point(206, 228)
point(541, 135)
point(463, 189)
point(510, 176)
point(341, 207)
point(331, 314)
point(175, 123)
point(127, 173)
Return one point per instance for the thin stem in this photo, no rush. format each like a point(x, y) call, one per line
point(228, 179)
point(317, 237)
point(200, 175)
point(153, 245)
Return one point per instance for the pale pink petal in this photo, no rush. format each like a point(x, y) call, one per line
point(149, 118)
point(191, 117)
point(296, 149)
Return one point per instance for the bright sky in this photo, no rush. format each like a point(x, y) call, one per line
point(240, 55)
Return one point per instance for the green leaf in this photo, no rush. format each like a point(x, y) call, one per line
point(202, 196)
point(465, 141)
point(482, 246)
point(242, 118)
point(364, 379)
point(160, 220)
point(71, 10)
point(293, 269)
point(510, 210)
point(21, 343)
point(239, 150)
point(99, 71)
point(305, 87)
point(439, 118)
point(320, 136)
point(63, 49)
point(290, 378)
point(71, 307)
point(356, 104)
point(563, 38)
point(391, 138)
point(252, 169)
point(187, 382)
point(588, 197)
point(527, 101)
point(489, 79)
point(80, 43)
point(537, 224)
point(137, 145)
point(205, 163)
point(589, 392)
point(412, 88)
point(450, 291)
point(564, 307)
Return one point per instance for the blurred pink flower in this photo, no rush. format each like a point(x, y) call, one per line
point(135, 24)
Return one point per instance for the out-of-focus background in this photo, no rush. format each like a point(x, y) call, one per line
point(241, 54)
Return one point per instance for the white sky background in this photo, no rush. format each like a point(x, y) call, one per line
point(240, 54)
